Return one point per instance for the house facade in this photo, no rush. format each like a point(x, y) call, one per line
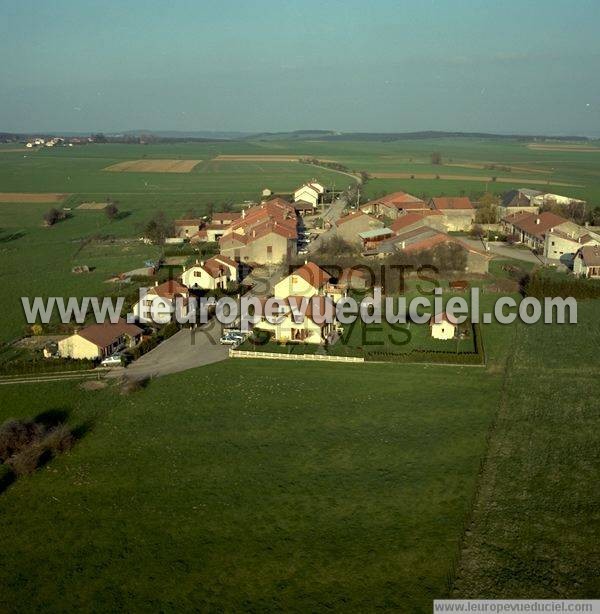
point(98, 341)
point(216, 273)
point(159, 302)
point(307, 280)
point(587, 262)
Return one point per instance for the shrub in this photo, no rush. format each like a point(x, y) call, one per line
point(129, 386)
point(27, 460)
point(16, 435)
point(59, 440)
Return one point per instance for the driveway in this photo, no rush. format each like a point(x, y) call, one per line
point(184, 350)
point(504, 250)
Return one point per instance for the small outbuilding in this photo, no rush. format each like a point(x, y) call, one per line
point(443, 326)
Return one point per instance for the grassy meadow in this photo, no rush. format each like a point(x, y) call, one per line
point(264, 485)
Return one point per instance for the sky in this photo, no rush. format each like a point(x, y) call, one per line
point(527, 66)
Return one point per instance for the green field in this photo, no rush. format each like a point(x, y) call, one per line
point(311, 487)
point(269, 486)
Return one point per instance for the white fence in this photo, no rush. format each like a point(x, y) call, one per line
point(280, 356)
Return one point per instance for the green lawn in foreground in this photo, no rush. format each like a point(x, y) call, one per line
point(249, 486)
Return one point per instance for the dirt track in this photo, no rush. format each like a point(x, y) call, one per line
point(579, 148)
point(27, 197)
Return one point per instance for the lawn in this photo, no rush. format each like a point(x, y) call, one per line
point(301, 489)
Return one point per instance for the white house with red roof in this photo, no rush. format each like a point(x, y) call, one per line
point(159, 302)
point(216, 272)
point(307, 280)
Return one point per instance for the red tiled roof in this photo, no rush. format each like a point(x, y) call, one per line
point(313, 274)
point(353, 216)
point(189, 222)
point(408, 219)
point(534, 224)
point(445, 203)
point(106, 334)
point(168, 289)
point(444, 316)
point(591, 255)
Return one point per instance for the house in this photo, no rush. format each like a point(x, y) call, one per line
point(317, 325)
point(521, 200)
point(443, 326)
point(458, 211)
point(264, 234)
point(587, 262)
point(98, 341)
point(393, 205)
point(216, 272)
point(564, 242)
point(349, 226)
point(159, 302)
point(548, 233)
point(187, 228)
point(310, 193)
point(307, 280)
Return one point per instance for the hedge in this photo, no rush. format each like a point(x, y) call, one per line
point(541, 285)
point(49, 365)
point(436, 356)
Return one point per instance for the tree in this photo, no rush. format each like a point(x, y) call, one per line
point(111, 210)
point(52, 216)
point(158, 228)
point(436, 158)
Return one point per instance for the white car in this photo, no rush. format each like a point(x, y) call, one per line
point(112, 361)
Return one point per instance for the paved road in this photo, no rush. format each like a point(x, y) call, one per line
point(506, 251)
point(184, 350)
point(332, 215)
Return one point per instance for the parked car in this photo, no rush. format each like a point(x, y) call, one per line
point(114, 360)
point(302, 251)
point(230, 339)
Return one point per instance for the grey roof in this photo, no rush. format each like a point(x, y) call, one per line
point(376, 232)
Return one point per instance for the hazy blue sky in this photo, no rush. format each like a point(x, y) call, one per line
point(511, 66)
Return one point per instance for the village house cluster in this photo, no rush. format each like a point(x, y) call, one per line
point(270, 233)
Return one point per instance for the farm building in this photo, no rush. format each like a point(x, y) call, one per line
point(185, 229)
point(458, 211)
point(371, 239)
point(520, 200)
point(393, 205)
point(98, 341)
point(217, 272)
point(349, 226)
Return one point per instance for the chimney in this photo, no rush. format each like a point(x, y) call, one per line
point(156, 283)
point(537, 220)
point(201, 262)
point(197, 261)
point(243, 213)
point(403, 244)
point(306, 262)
